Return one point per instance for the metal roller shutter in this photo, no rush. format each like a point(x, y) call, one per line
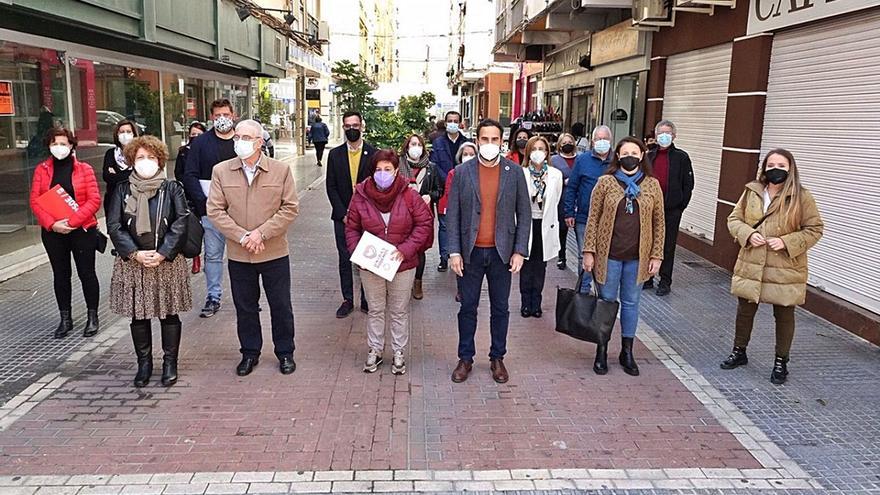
point(823, 105)
point(695, 100)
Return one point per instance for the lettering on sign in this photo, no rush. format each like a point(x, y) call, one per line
point(7, 104)
point(617, 42)
point(770, 15)
point(566, 60)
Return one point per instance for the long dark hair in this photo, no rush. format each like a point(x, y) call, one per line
point(135, 130)
point(791, 192)
point(645, 165)
point(511, 141)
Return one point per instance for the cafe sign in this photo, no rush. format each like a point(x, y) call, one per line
point(770, 15)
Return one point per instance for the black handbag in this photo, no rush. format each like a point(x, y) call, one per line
point(100, 241)
point(195, 233)
point(583, 316)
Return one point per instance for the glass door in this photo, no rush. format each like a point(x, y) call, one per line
point(618, 104)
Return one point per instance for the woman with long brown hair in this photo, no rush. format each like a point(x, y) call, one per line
point(775, 221)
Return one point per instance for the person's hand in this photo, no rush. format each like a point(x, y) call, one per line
point(457, 265)
point(757, 240)
point(570, 222)
point(62, 227)
point(345, 219)
point(154, 259)
point(253, 242)
point(589, 261)
point(654, 266)
point(396, 256)
point(426, 198)
point(776, 243)
point(143, 257)
point(516, 262)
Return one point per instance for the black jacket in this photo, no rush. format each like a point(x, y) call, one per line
point(432, 184)
point(339, 188)
point(204, 153)
point(170, 229)
point(681, 178)
point(113, 176)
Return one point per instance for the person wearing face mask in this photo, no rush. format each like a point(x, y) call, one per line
point(582, 143)
point(674, 171)
point(545, 189)
point(624, 241)
point(76, 235)
point(204, 154)
point(517, 146)
point(563, 160)
point(776, 222)
point(347, 165)
point(466, 152)
point(385, 206)
point(489, 216)
point(147, 222)
point(443, 151)
point(253, 201)
point(115, 168)
point(424, 179)
point(196, 129)
point(588, 167)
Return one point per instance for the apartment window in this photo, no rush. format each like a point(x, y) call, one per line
point(279, 51)
point(504, 101)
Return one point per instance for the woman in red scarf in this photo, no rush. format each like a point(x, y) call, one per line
point(384, 205)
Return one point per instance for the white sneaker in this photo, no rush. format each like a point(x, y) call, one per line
point(374, 359)
point(398, 367)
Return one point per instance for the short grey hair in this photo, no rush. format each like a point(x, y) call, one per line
point(466, 144)
point(251, 124)
point(665, 123)
point(602, 128)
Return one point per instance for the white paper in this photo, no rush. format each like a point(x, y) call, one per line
point(206, 187)
point(374, 254)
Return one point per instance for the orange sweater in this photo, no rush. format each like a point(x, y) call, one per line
point(490, 182)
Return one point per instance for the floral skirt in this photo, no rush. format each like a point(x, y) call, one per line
point(142, 293)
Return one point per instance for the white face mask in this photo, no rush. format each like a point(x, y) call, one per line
point(465, 158)
point(489, 151)
point(415, 152)
point(244, 149)
point(452, 128)
point(537, 156)
point(125, 137)
point(59, 151)
point(146, 167)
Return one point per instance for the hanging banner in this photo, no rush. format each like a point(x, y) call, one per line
point(7, 104)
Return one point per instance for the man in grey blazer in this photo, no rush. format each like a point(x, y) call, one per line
point(488, 221)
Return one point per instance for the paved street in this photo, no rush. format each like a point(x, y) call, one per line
point(684, 426)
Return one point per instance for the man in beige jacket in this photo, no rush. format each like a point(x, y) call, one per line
point(252, 203)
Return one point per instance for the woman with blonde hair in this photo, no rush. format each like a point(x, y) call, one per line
point(775, 222)
point(563, 160)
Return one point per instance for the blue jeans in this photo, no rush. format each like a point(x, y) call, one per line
point(215, 246)
point(441, 237)
point(579, 231)
point(484, 262)
point(622, 277)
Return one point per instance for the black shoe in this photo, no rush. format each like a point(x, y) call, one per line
point(365, 308)
point(525, 312)
point(319, 164)
point(171, 347)
point(443, 266)
point(345, 309)
point(561, 264)
point(212, 306)
point(91, 328)
point(737, 358)
point(663, 290)
point(246, 365)
point(65, 326)
point(780, 371)
point(600, 365)
point(648, 285)
point(287, 366)
point(142, 337)
point(537, 313)
point(626, 357)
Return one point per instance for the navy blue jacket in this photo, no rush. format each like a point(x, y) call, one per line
point(443, 156)
point(319, 132)
point(204, 153)
point(588, 167)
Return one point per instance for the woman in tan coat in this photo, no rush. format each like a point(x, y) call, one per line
point(775, 221)
point(623, 244)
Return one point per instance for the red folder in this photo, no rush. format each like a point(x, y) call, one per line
point(58, 203)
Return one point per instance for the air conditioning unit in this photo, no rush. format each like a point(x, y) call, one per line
point(653, 13)
point(694, 6)
point(323, 31)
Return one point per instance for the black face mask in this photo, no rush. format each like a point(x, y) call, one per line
point(521, 143)
point(629, 163)
point(776, 175)
point(567, 148)
point(352, 134)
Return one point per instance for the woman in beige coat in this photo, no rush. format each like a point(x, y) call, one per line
point(775, 221)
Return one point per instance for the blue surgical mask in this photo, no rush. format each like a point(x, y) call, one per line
point(664, 140)
point(602, 146)
point(452, 127)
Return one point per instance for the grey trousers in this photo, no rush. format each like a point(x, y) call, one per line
point(391, 301)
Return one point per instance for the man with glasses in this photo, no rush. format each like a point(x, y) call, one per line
point(252, 203)
point(347, 165)
point(444, 149)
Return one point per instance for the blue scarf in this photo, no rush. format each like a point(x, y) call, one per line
point(632, 189)
point(539, 181)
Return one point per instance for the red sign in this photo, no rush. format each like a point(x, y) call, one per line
point(7, 105)
point(191, 107)
point(58, 203)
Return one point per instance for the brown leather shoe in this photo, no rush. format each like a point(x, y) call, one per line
point(462, 371)
point(499, 372)
point(417, 290)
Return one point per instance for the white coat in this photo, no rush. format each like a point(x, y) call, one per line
point(550, 221)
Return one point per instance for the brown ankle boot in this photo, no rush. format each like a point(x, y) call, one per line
point(417, 290)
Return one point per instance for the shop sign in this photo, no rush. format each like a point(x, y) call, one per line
point(566, 60)
point(617, 42)
point(7, 105)
point(770, 15)
point(299, 56)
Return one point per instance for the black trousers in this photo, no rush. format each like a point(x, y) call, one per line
point(244, 278)
point(81, 244)
point(673, 221)
point(319, 150)
point(534, 271)
point(563, 232)
point(420, 270)
point(346, 277)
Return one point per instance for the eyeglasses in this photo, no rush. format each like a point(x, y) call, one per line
point(351, 126)
point(244, 138)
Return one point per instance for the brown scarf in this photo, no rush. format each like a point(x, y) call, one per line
point(138, 203)
point(384, 200)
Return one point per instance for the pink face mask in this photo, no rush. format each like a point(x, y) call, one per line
point(383, 179)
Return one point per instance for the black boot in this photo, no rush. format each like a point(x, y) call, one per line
point(600, 365)
point(780, 371)
point(91, 328)
point(65, 326)
point(171, 346)
point(142, 336)
point(737, 358)
point(626, 357)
